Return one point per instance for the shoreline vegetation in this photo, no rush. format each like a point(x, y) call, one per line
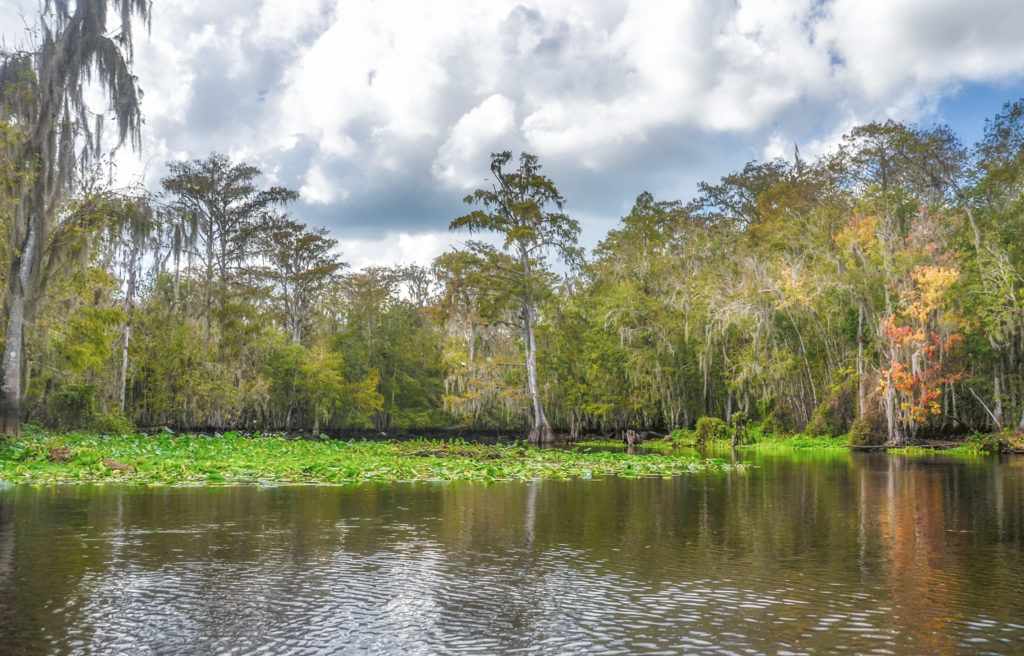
point(39, 457)
point(755, 437)
point(974, 445)
point(874, 290)
point(166, 458)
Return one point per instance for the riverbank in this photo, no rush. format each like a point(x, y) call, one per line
point(972, 445)
point(232, 459)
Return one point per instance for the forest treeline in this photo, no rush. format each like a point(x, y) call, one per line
point(876, 289)
point(881, 282)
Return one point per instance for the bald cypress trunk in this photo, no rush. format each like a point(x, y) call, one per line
point(10, 385)
point(127, 334)
point(540, 432)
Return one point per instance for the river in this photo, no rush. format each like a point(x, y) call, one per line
point(809, 552)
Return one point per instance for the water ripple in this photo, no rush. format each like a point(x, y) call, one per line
point(604, 567)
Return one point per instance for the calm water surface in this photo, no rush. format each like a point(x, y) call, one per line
point(819, 553)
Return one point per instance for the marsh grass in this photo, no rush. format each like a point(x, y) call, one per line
point(650, 446)
point(168, 459)
point(973, 446)
point(681, 439)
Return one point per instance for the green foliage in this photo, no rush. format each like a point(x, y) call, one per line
point(763, 294)
point(112, 424)
point(740, 434)
point(861, 433)
point(983, 444)
point(75, 406)
point(836, 414)
point(711, 429)
point(1012, 440)
point(973, 446)
point(232, 459)
point(812, 441)
point(869, 430)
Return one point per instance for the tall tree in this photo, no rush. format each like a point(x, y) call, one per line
point(516, 207)
point(996, 296)
point(301, 265)
point(220, 207)
point(132, 237)
point(483, 381)
point(43, 92)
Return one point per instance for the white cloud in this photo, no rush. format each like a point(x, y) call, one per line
point(396, 248)
point(319, 189)
point(383, 111)
point(908, 50)
point(284, 21)
point(484, 129)
point(776, 148)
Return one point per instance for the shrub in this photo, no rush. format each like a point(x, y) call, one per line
point(837, 413)
point(709, 429)
point(1012, 440)
point(113, 424)
point(739, 427)
point(983, 444)
point(869, 430)
point(72, 406)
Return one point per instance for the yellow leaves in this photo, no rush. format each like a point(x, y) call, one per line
point(928, 293)
point(795, 288)
point(860, 233)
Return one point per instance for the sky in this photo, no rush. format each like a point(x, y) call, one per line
point(383, 114)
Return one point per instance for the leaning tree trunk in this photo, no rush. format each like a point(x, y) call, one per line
point(540, 433)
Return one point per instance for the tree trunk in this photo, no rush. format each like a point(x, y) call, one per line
point(891, 416)
point(540, 433)
point(209, 294)
point(127, 335)
point(862, 381)
point(10, 386)
point(297, 310)
point(124, 363)
point(997, 393)
point(807, 362)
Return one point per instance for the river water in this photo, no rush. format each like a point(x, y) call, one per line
point(820, 552)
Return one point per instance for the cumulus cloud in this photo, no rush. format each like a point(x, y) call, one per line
point(485, 128)
point(394, 248)
point(385, 112)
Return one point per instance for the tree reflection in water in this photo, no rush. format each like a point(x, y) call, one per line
point(807, 551)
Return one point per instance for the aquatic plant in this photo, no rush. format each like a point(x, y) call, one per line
point(169, 459)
